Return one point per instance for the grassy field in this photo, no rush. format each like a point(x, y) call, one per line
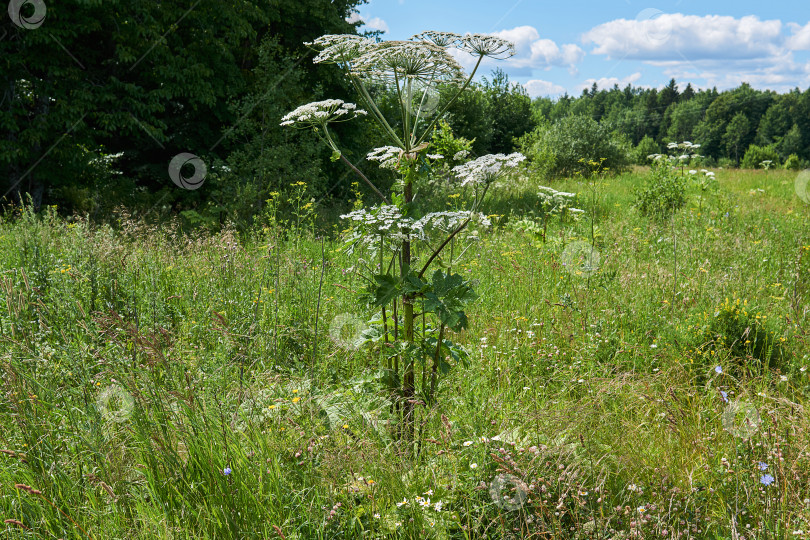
point(162, 385)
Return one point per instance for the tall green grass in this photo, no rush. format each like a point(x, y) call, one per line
point(140, 363)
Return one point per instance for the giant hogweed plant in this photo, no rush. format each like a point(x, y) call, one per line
point(411, 280)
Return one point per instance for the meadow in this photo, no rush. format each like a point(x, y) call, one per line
point(163, 383)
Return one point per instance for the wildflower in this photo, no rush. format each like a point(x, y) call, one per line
point(296, 399)
point(387, 156)
point(339, 48)
point(320, 113)
point(485, 45)
point(429, 492)
point(438, 506)
point(725, 395)
point(766, 480)
point(762, 465)
point(424, 503)
point(403, 503)
point(718, 369)
point(487, 169)
point(376, 516)
point(473, 465)
point(226, 471)
point(468, 443)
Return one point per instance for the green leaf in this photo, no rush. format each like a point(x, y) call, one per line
point(387, 288)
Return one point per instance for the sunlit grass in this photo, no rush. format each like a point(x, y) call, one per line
point(592, 403)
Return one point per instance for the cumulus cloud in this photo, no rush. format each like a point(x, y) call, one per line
point(800, 40)
point(709, 50)
point(534, 52)
point(372, 23)
point(675, 36)
point(537, 87)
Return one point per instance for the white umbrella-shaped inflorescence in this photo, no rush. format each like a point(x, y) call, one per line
point(320, 113)
point(558, 202)
point(487, 169)
point(386, 156)
point(368, 225)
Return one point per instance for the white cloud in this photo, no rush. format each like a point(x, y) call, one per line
point(533, 52)
point(800, 40)
point(537, 87)
point(372, 23)
point(675, 36)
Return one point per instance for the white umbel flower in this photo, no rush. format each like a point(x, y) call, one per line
point(487, 45)
point(339, 48)
point(420, 61)
point(487, 169)
point(320, 113)
point(387, 156)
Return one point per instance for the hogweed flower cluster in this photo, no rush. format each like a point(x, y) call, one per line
point(320, 113)
point(557, 202)
point(476, 44)
point(387, 156)
point(487, 169)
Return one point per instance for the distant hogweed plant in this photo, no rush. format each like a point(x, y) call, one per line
point(401, 238)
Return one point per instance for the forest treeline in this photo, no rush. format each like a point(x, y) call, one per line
point(98, 100)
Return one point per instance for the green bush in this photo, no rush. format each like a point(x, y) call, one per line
point(557, 149)
point(646, 147)
point(664, 192)
point(755, 155)
point(793, 163)
point(743, 333)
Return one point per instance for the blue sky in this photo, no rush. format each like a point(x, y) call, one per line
point(566, 45)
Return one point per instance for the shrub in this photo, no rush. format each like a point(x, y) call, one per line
point(646, 147)
point(663, 193)
point(557, 150)
point(793, 163)
point(744, 334)
point(755, 155)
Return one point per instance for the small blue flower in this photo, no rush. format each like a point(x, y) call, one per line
point(226, 471)
point(766, 480)
point(718, 369)
point(725, 395)
point(726, 214)
point(762, 465)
